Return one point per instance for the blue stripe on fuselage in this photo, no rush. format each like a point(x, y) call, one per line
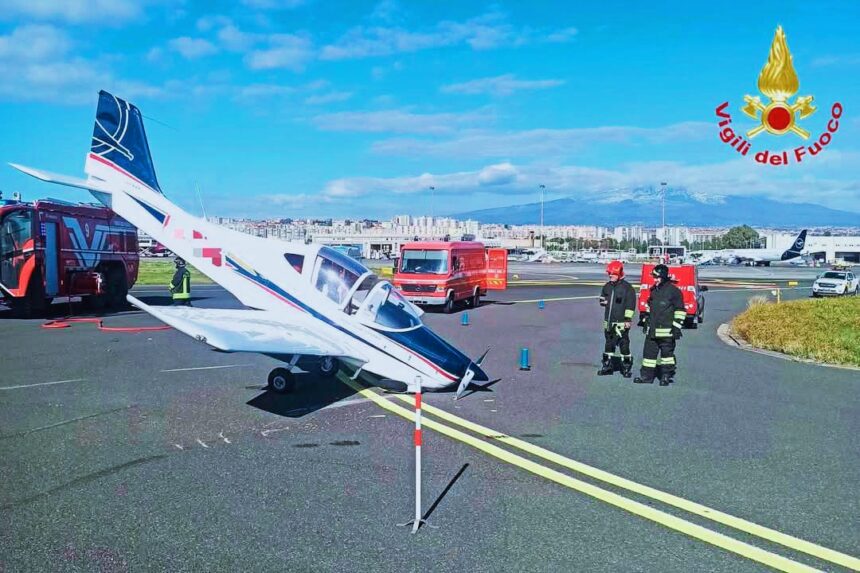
point(264, 282)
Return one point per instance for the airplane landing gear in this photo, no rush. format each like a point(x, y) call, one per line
point(328, 366)
point(281, 380)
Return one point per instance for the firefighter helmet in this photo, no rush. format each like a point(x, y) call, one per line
point(615, 268)
point(661, 271)
point(180, 262)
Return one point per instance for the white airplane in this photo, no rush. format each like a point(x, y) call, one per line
point(309, 305)
point(764, 257)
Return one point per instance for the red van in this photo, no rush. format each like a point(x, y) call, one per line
point(686, 278)
point(439, 273)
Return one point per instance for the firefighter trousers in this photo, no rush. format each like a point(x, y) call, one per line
point(617, 337)
point(658, 352)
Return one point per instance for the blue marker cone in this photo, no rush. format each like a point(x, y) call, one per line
point(524, 359)
point(465, 320)
point(540, 305)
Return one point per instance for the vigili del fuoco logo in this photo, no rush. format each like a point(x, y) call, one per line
point(777, 114)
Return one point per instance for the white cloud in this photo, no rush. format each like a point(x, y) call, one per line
point(34, 43)
point(236, 40)
point(844, 60)
point(330, 97)
point(484, 32)
point(207, 23)
point(254, 91)
point(499, 85)
point(274, 4)
point(500, 174)
point(541, 142)
point(192, 48)
point(812, 183)
point(562, 36)
point(397, 121)
point(107, 12)
point(286, 51)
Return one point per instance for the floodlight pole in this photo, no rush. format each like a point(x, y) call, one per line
point(663, 202)
point(542, 187)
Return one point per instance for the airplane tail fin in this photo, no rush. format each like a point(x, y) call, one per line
point(796, 249)
point(119, 152)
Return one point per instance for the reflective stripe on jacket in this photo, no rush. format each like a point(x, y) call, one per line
point(180, 286)
point(667, 310)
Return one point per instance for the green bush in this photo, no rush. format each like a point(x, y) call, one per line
point(827, 330)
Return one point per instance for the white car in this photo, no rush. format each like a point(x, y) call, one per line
point(836, 283)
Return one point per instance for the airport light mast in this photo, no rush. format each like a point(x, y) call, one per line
point(663, 205)
point(542, 187)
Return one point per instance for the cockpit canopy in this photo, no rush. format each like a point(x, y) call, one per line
point(385, 308)
point(335, 274)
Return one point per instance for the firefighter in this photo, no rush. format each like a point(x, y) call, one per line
point(662, 325)
point(180, 286)
point(619, 300)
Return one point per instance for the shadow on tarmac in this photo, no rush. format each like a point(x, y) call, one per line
point(312, 393)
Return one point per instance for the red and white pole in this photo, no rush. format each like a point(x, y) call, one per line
point(418, 439)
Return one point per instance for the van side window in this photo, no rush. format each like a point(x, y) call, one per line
point(296, 261)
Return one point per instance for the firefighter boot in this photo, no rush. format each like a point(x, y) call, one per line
point(665, 380)
point(627, 367)
point(639, 380)
point(606, 369)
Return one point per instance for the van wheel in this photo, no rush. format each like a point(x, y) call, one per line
point(449, 304)
point(476, 299)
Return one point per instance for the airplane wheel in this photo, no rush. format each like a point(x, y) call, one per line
point(328, 366)
point(281, 380)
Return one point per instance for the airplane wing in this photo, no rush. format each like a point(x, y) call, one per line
point(233, 330)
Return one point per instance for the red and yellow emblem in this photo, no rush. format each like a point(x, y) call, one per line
point(778, 81)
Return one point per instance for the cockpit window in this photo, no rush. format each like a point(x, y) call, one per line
point(336, 274)
point(386, 307)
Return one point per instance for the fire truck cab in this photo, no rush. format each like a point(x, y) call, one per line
point(686, 278)
point(439, 273)
point(53, 249)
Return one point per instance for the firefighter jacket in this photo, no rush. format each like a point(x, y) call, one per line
point(666, 310)
point(180, 286)
point(619, 301)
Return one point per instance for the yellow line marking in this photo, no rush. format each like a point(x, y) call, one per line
point(675, 501)
point(697, 531)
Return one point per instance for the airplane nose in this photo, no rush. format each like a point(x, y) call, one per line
point(480, 375)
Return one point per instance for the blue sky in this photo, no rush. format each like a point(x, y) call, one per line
point(295, 108)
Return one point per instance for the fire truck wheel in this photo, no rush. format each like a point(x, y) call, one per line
point(281, 380)
point(328, 366)
point(476, 299)
point(33, 304)
point(117, 288)
point(449, 304)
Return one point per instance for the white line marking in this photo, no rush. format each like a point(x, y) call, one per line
point(226, 441)
point(199, 441)
point(178, 446)
point(265, 433)
point(41, 384)
point(377, 416)
point(204, 368)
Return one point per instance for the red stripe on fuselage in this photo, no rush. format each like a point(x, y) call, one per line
point(101, 159)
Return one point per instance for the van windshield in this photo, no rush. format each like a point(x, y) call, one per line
point(421, 261)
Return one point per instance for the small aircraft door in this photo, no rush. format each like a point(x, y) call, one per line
point(497, 269)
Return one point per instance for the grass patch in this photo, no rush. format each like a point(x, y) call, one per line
point(826, 330)
point(160, 273)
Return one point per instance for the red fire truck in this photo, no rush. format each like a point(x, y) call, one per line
point(52, 249)
point(686, 278)
point(443, 273)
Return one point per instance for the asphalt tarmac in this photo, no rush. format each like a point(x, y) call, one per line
point(130, 452)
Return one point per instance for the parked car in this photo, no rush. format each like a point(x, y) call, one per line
point(836, 283)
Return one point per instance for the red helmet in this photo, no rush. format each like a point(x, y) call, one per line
point(615, 268)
